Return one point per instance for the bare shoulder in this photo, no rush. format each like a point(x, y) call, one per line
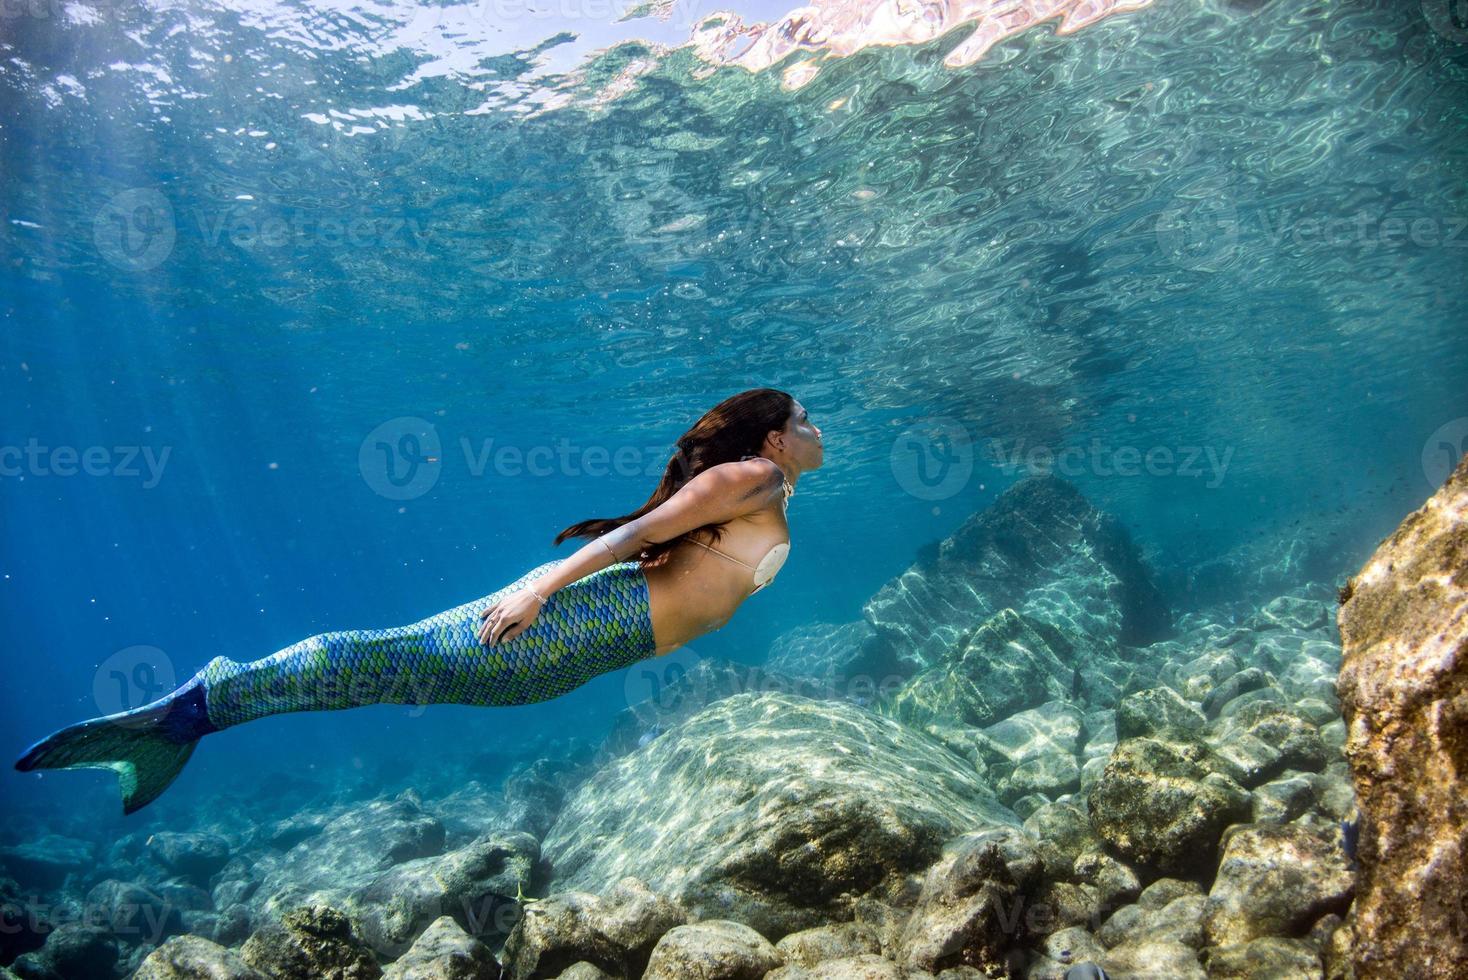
point(752, 477)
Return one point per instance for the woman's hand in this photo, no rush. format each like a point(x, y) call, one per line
point(509, 617)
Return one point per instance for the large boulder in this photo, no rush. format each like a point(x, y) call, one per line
point(1009, 663)
point(1404, 693)
point(1163, 805)
point(1274, 880)
point(771, 809)
point(1041, 549)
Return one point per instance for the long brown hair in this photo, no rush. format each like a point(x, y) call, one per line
point(734, 428)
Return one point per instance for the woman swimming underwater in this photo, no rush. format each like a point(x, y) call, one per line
point(645, 585)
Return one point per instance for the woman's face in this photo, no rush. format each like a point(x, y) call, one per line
point(803, 439)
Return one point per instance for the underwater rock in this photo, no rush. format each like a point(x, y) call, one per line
point(1169, 909)
point(970, 911)
point(1154, 958)
point(1060, 951)
point(714, 949)
point(287, 833)
point(1275, 957)
point(1034, 752)
point(1404, 694)
point(838, 658)
point(864, 966)
point(73, 949)
point(194, 958)
point(1114, 881)
point(310, 943)
point(1261, 740)
point(1192, 677)
point(1274, 880)
point(366, 838)
point(474, 884)
point(1257, 570)
point(1040, 549)
point(471, 810)
point(1247, 680)
point(771, 809)
point(1009, 663)
point(47, 861)
point(1278, 651)
point(833, 942)
point(445, 952)
point(615, 936)
point(634, 918)
point(1291, 613)
point(684, 694)
point(24, 923)
point(585, 971)
point(1161, 805)
point(533, 794)
point(192, 855)
point(135, 912)
point(887, 919)
point(1063, 833)
point(1283, 799)
point(1155, 711)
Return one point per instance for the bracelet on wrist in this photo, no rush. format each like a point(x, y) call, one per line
point(537, 595)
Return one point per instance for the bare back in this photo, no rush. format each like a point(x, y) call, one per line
point(692, 591)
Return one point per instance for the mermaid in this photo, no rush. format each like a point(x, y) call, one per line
point(644, 585)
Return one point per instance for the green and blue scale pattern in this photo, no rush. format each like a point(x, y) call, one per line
point(599, 623)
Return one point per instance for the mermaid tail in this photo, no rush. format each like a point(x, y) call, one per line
point(147, 747)
point(599, 623)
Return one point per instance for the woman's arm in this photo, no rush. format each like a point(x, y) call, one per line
point(718, 494)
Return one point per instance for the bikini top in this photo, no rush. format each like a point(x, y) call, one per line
point(773, 560)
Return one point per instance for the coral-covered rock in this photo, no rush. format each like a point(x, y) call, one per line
point(1404, 693)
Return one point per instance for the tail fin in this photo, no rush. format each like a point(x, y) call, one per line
point(147, 747)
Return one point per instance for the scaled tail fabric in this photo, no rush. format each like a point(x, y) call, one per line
point(599, 623)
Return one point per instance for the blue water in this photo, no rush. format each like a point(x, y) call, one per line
point(229, 282)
